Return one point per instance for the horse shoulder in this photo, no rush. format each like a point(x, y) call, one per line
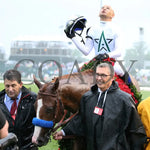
point(71, 95)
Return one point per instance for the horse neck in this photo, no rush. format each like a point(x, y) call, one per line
point(77, 78)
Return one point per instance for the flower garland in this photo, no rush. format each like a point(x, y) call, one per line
point(131, 89)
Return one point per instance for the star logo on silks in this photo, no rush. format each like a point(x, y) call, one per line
point(103, 45)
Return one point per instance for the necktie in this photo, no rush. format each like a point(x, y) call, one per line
point(13, 109)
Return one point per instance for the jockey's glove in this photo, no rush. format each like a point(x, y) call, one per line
point(70, 33)
point(101, 57)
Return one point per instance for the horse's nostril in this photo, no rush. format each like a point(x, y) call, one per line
point(34, 140)
point(41, 142)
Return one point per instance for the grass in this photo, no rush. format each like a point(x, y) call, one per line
point(145, 94)
point(53, 145)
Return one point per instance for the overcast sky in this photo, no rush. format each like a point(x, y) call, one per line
point(48, 17)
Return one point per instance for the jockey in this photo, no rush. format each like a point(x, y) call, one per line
point(105, 38)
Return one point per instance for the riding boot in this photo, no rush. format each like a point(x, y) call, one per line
point(126, 78)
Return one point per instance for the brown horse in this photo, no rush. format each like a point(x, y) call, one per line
point(68, 89)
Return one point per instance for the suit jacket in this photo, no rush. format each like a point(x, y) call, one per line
point(22, 127)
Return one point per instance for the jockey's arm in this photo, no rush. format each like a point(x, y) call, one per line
point(84, 48)
point(87, 47)
point(119, 45)
point(118, 49)
point(115, 54)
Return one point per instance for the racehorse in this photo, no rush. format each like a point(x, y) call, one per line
point(61, 93)
point(57, 95)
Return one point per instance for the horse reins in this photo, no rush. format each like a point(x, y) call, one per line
point(62, 121)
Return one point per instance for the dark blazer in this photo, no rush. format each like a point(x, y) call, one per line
point(23, 127)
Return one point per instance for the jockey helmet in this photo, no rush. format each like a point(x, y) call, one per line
point(77, 24)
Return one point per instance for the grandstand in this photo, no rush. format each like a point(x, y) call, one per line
point(39, 49)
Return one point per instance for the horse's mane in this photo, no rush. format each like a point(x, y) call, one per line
point(88, 72)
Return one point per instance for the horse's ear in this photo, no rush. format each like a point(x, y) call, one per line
point(39, 85)
point(56, 84)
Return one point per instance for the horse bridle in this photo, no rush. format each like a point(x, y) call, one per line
point(52, 129)
point(57, 100)
point(54, 120)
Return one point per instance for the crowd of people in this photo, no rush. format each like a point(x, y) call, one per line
point(108, 117)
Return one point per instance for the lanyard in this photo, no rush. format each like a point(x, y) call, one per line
point(103, 99)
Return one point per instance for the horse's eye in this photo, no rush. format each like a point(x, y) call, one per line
point(49, 109)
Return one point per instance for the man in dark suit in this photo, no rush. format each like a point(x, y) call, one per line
point(17, 104)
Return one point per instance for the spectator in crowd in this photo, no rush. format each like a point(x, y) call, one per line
point(144, 112)
point(7, 140)
point(3, 126)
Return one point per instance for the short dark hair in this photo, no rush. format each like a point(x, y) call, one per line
point(108, 65)
point(12, 75)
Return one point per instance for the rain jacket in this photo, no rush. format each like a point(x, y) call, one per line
point(144, 112)
point(118, 128)
point(23, 127)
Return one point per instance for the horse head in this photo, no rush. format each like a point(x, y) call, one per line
point(49, 111)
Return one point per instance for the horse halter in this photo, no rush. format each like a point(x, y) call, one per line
point(44, 123)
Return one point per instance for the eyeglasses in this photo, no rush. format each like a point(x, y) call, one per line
point(102, 75)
